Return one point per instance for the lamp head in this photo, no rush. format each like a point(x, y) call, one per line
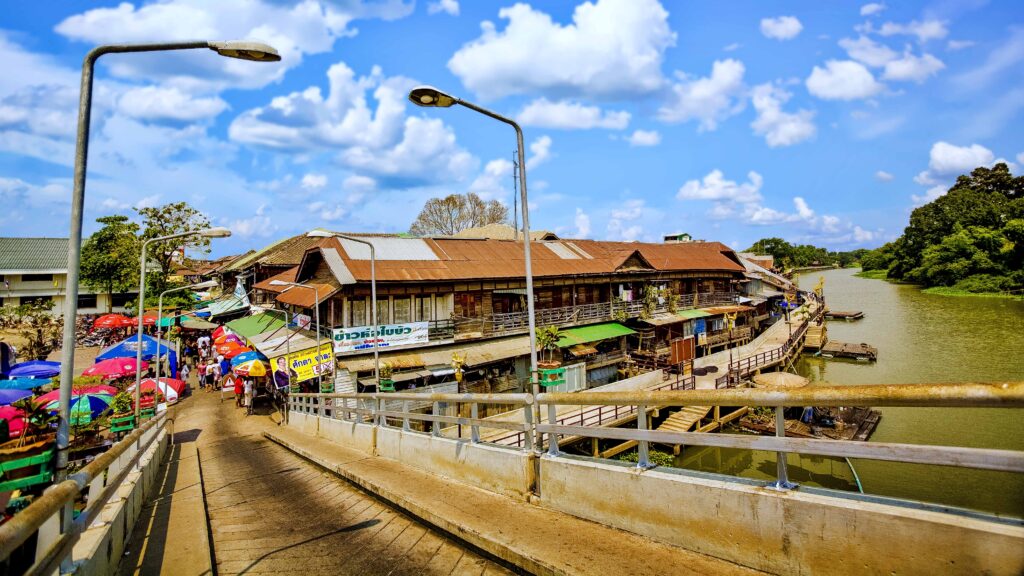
point(216, 232)
point(430, 97)
point(207, 284)
point(244, 50)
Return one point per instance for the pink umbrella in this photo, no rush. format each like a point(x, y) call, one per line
point(50, 397)
point(173, 383)
point(114, 368)
point(15, 420)
point(100, 389)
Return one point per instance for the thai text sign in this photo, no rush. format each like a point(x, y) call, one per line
point(386, 336)
point(308, 364)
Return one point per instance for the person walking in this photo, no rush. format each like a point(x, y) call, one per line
point(184, 370)
point(239, 391)
point(248, 391)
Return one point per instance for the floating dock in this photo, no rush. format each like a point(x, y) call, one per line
point(862, 351)
point(844, 315)
point(853, 424)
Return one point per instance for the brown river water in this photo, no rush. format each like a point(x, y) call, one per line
point(921, 338)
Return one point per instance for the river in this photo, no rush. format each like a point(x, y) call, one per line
point(921, 338)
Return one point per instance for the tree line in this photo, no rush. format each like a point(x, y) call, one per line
point(970, 239)
point(788, 256)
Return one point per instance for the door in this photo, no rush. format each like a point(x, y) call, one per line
point(683, 349)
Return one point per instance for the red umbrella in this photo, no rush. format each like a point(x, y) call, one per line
point(100, 389)
point(15, 420)
point(228, 349)
point(220, 331)
point(226, 338)
point(112, 321)
point(147, 320)
point(236, 351)
point(114, 368)
point(172, 383)
point(55, 394)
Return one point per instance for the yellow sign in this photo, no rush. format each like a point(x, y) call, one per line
point(307, 364)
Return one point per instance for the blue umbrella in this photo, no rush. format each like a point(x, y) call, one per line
point(84, 408)
point(35, 369)
point(12, 396)
point(24, 383)
point(248, 357)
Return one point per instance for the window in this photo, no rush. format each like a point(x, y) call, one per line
point(423, 309)
point(86, 300)
point(403, 310)
point(37, 277)
point(468, 304)
point(36, 299)
point(357, 312)
point(121, 300)
point(383, 317)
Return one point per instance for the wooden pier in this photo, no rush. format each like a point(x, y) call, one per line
point(843, 315)
point(862, 352)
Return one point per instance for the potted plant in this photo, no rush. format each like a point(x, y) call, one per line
point(28, 460)
point(123, 416)
point(386, 384)
point(547, 341)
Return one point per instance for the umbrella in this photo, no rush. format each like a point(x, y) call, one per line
point(15, 420)
point(219, 331)
point(147, 320)
point(248, 356)
point(35, 369)
point(84, 408)
point(114, 368)
point(235, 351)
point(229, 347)
point(100, 389)
point(172, 383)
point(112, 321)
point(24, 383)
point(251, 368)
point(10, 396)
point(149, 385)
point(228, 338)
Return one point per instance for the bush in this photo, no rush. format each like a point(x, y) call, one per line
point(984, 283)
point(653, 456)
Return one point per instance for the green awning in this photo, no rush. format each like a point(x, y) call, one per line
point(256, 324)
point(595, 333)
point(692, 314)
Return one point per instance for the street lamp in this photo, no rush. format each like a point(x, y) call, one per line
point(430, 97)
point(316, 299)
point(217, 232)
point(232, 49)
point(373, 293)
point(160, 317)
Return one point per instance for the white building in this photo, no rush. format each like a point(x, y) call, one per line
point(37, 269)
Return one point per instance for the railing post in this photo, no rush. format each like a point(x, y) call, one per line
point(782, 483)
point(528, 428)
point(379, 407)
point(435, 425)
point(405, 416)
point(474, 430)
point(642, 460)
point(552, 437)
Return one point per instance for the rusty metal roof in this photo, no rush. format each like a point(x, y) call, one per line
point(305, 297)
point(286, 276)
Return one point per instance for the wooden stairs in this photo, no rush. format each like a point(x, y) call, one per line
point(685, 419)
point(816, 337)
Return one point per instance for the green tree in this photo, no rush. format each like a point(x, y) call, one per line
point(877, 259)
point(110, 256)
point(964, 253)
point(173, 218)
point(455, 213)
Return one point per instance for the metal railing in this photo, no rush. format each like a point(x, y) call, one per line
point(96, 482)
point(608, 407)
point(741, 367)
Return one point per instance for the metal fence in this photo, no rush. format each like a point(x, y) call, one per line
point(602, 408)
point(49, 516)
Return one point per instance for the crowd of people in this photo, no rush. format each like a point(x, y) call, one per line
point(214, 372)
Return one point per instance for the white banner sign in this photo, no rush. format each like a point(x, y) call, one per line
point(387, 336)
point(302, 321)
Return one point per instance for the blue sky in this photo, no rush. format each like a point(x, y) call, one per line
point(820, 122)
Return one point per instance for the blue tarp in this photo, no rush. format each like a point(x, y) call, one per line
point(24, 383)
point(35, 369)
point(150, 347)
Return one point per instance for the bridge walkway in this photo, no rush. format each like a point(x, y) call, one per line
point(270, 511)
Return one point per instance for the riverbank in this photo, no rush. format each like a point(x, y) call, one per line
point(937, 290)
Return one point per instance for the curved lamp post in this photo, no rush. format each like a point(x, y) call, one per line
point(430, 97)
point(160, 316)
point(316, 299)
point(218, 232)
point(373, 293)
point(232, 49)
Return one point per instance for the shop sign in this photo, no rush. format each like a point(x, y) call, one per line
point(387, 336)
point(304, 365)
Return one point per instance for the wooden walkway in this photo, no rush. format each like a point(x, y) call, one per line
point(684, 420)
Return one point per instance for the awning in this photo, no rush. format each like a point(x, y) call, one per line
point(690, 314)
point(582, 350)
point(595, 333)
point(728, 309)
point(193, 324)
point(663, 319)
point(284, 340)
point(401, 377)
point(226, 306)
point(474, 354)
point(517, 291)
point(256, 324)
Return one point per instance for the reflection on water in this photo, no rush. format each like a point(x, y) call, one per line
point(921, 338)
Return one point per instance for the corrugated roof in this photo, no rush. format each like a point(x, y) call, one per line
point(32, 254)
point(256, 324)
point(499, 231)
point(594, 333)
point(286, 276)
point(474, 354)
point(305, 297)
point(278, 342)
point(389, 249)
point(284, 252)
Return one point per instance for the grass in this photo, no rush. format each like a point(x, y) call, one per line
point(873, 274)
point(947, 291)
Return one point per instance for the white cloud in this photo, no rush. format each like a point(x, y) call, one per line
point(326, 213)
point(781, 28)
point(710, 99)
point(932, 193)
point(313, 181)
point(1005, 57)
point(866, 50)
point(611, 48)
point(164, 103)
point(949, 159)
point(802, 209)
point(619, 227)
point(382, 141)
point(450, 7)
point(258, 225)
point(778, 127)
point(883, 176)
point(540, 150)
point(495, 180)
point(842, 80)
point(569, 115)
point(913, 68)
point(1020, 158)
point(732, 47)
point(358, 184)
point(871, 9)
point(714, 186)
point(644, 138)
point(924, 31)
point(955, 45)
point(582, 223)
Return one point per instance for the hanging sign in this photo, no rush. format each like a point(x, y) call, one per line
point(387, 336)
point(307, 364)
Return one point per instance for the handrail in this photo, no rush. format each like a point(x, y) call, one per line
point(102, 477)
